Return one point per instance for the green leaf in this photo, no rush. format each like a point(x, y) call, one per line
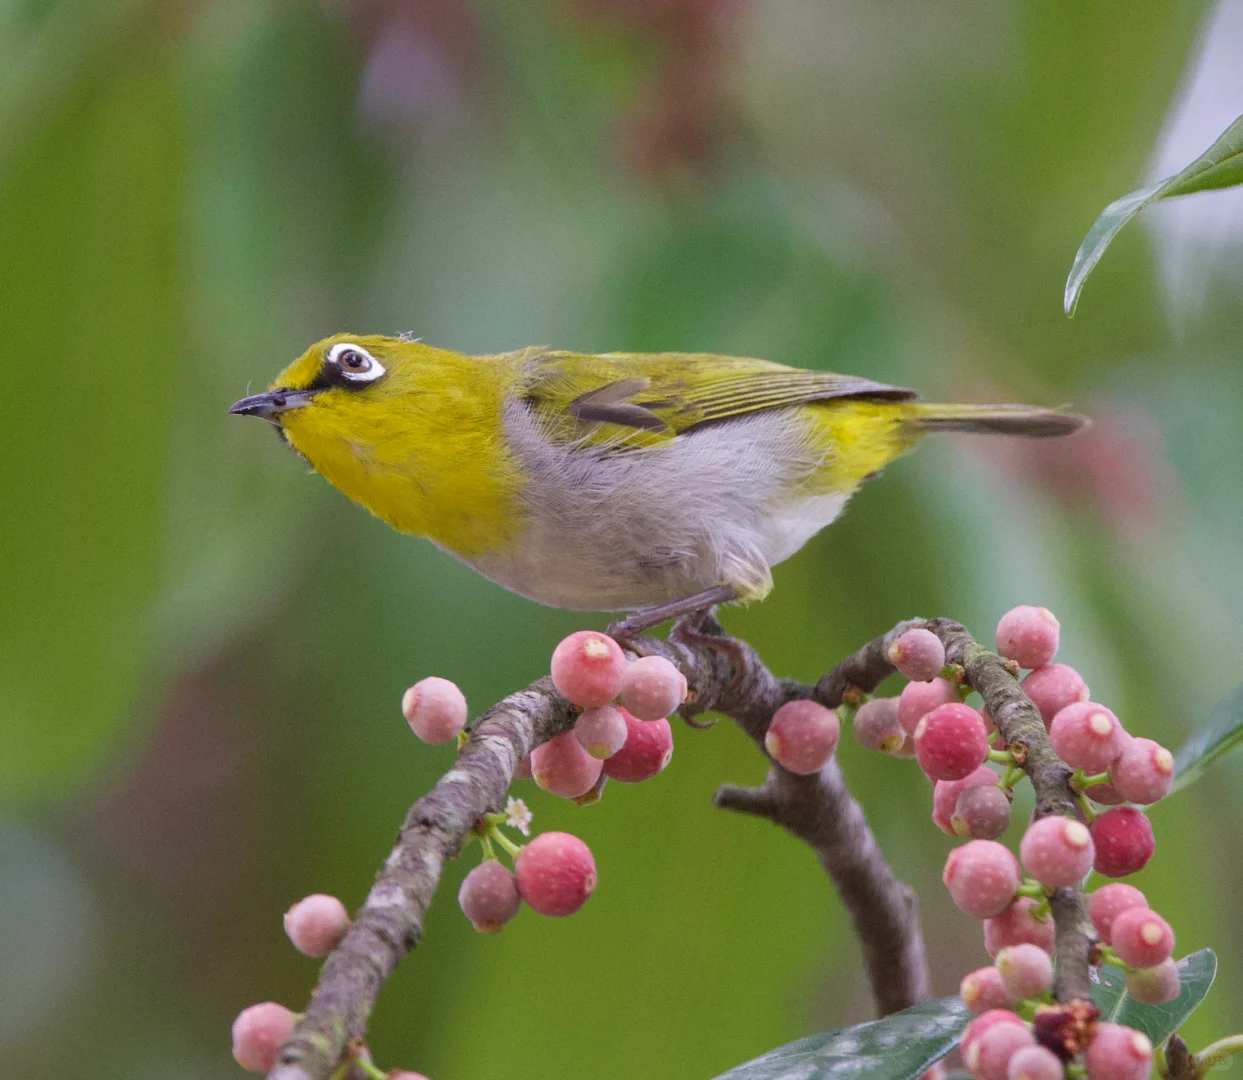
point(899, 1047)
point(1220, 166)
point(1158, 1022)
point(1213, 741)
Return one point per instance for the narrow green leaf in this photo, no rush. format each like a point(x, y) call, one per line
point(1220, 166)
point(1158, 1022)
point(899, 1047)
point(1211, 742)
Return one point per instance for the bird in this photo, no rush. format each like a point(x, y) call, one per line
point(657, 485)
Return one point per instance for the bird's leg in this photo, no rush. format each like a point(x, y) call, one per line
point(627, 629)
point(701, 628)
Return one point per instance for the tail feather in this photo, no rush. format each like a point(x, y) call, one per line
point(993, 420)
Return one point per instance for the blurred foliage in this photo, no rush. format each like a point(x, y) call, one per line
point(203, 647)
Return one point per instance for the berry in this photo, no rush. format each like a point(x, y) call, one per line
point(316, 924)
point(1026, 970)
point(982, 1023)
point(1118, 1053)
point(601, 731)
point(652, 688)
point(435, 710)
point(489, 897)
point(988, 1056)
point(1028, 636)
point(1017, 926)
point(258, 1033)
point(983, 990)
point(918, 654)
point(1035, 1063)
point(1154, 985)
point(945, 796)
point(982, 813)
point(1143, 772)
point(1057, 851)
point(555, 873)
point(950, 742)
point(877, 727)
point(920, 698)
point(405, 1074)
point(982, 877)
point(1123, 840)
point(1104, 794)
point(1053, 687)
point(562, 767)
point(646, 752)
point(1141, 937)
point(802, 736)
point(1108, 902)
point(588, 668)
point(1086, 736)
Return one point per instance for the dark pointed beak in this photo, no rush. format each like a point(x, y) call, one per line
point(272, 404)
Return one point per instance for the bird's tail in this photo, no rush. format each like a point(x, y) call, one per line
point(992, 420)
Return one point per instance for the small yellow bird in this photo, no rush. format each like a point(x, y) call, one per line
point(659, 484)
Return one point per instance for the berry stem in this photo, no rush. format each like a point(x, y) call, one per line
point(1031, 887)
point(486, 841)
point(1085, 807)
point(1012, 775)
point(1080, 781)
point(1108, 956)
point(370, 1069)
point(507, 845)
point(1215, 1053)
point(1002, 757)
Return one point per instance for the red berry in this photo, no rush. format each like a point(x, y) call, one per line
point(588, 668)
point(555, 873)
point(1035, 1063)
point(983, 989)
point(435, 710)
point(1028, 636)
point(489, 897)
point(646, 752)
point(951, 742)
point(652, 688)
point(258, 1033)
point(1154, 985)
point(983, 1023)
point(1026, 970)
point(982, 813)
point(920, 698)
point(982, 877)
point(601, 731)
point(988, 1057)
point(1123, 840)
point(1143, 772)
point(877, 727)
point(1104, 794)
point(1053, 687)
point(1108, 902)
point(1057, 851)
point(562, 767)
point(1118, 1053)
point(945, 796)
point(918, 654)
point(802, 736)
point(316, 924)
point(1141, 937)
point(1017, 926)
point(1086, 736)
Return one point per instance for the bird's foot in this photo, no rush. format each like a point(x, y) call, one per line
point(626, 631)
point(700, 629)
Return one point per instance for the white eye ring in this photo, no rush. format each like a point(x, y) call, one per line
point(371, 370)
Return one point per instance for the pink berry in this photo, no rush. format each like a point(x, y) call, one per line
point(920, 698)
point(1035, 1063)
point(1057, 851)
point(877, 727)
point(523, 770)
point(435, 710)
point(556, 873)
point(405, 1074)
point(802, 736)
point(646, 752)
point(1086, 736)
point(983, 1023)
point(1026, 970)
point(1028, 636)
point(1123, 840)
point(1104, 794)
point(601, 731)
point(258, 1033)
point(988, 1057)
point(1017, 926)
point(945, 796)
point(983, 813)
point(588, 668)
point(1141, 937)
point(316, 924)
point(1154, 985)
point(1108, 902)
point(562, 767)
point(918, 654)
point(652, 688)
point(950, 742)
point(1118, 1053)
point(1143, 772)
point(1053, 687)
point(982, 877)
point(489, 897)
point(983, 990)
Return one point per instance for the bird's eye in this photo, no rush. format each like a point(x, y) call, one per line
point(354, 362)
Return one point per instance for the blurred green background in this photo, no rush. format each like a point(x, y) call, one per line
point(203, 647)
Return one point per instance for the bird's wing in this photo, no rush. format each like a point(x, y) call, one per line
point(644, 399)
